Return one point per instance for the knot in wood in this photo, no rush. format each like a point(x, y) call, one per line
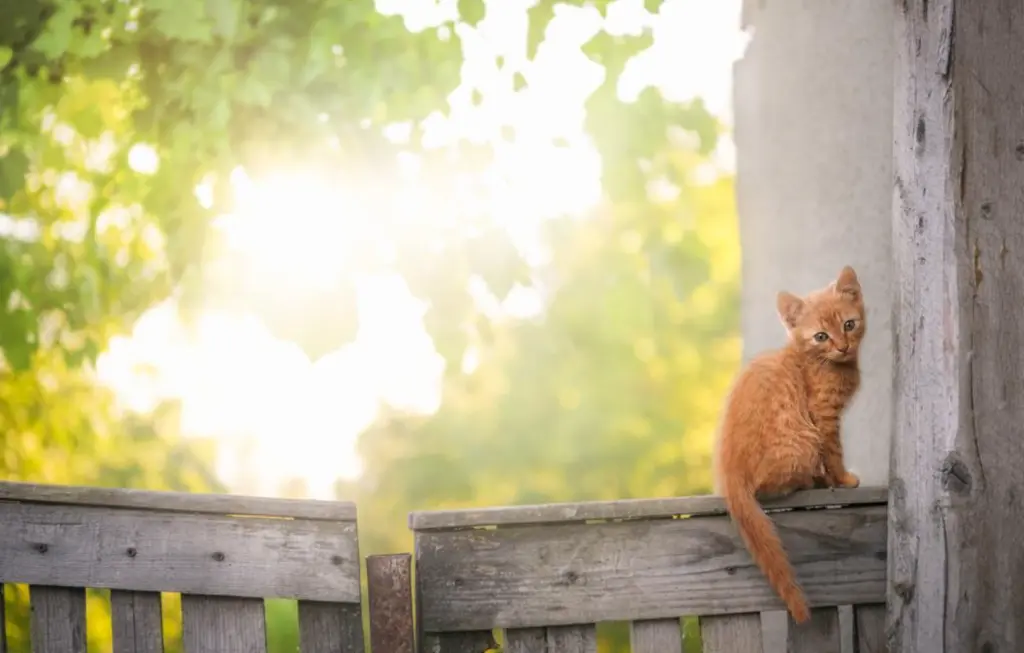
point(956, 477)
point(41, 547)
point(337, 560)
point(218, 556)
point(132, 552)
point(1019, 151)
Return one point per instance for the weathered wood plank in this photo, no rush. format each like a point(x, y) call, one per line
point(466, 642)
point(631, 509)
point(519, 577)
point(526, 640)
point(869, 628)
point(656, 636)
point(572, 639)
point(819, 635)
point(58, 619)
point(330, 627)
point(731, 633)
point(137, 620)
point(217, 504)
point(958, 465)
point(221, 624)
point(84, 546)
point(389, 586)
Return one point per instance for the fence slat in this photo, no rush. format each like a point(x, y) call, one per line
point(819, 635)
point(526, 640)
point(732, 633)
point(137, 620)
point(330, 627)
point(222, 624)
point(466, 642)
point(869, 628)
point(656, 636)
point(58, 619)
point(127, 549)
point(572, 639)
point(389, 586)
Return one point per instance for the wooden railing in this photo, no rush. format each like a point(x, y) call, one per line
point(539, 578)
point(546, 575)
point(224, 554)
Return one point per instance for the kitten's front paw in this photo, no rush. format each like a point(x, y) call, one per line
point(849, 480)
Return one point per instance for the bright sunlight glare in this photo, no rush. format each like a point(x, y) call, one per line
point(276, 414)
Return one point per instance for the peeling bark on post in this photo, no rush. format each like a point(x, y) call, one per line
point(956, 513)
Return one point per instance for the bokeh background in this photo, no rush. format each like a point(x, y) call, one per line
point(416, 254)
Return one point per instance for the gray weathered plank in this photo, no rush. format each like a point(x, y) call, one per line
point(221, 624)
point(526, 640)
point(958, 465)
point(572, 639)
point(869, 628)
point(330, 627)
point(518, 577)
point(85, 546)
point(218, 504)
point(466, 642)
point(137, 620)
point(58, 619)
point(819, 635)
point(656, 636)
point(731, 633)
point(389, 586)
point(631, 509)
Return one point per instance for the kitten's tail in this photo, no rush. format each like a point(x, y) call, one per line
point(765, 547)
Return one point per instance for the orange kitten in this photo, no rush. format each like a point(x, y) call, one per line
point(780, 432)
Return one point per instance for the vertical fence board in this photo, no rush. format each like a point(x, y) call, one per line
point(525, 640)
point(58, 619)
point(137, 621)
point(572, 639)
point(819, 635)
point(656, 636)
point(476, 641)
point(869, 628)
point(221, 624)
point(733, 633)
point(389, 587)
point(330, 627)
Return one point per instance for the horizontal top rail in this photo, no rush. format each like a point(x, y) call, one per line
point(215, 504)
point(630, 509)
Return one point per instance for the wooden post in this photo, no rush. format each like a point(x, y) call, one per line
point(389, 585)
point(957, 481)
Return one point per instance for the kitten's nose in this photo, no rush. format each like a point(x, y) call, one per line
point(845, 348)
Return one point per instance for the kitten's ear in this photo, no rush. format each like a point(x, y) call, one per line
point(790, 307)
point(848, 284)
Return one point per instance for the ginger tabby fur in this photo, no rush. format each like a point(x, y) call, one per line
point(780, 431)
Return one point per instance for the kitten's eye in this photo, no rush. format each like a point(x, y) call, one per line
point(849, 324)
point(821, 336)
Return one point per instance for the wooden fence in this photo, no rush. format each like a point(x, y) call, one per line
point(534, 579)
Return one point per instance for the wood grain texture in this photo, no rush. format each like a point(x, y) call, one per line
point(526, 640)
point(819, 635)
point(330, 627)
point(216, 504)
point(869, 628)
point(221, 624)
point(389, 586)
point(137, 622)
point(466, 642)
point(572, 639)
point(84, 546)
point(520, 577)
point(958, 465)
point(628, 509)
point(58, 619)
point(732, 633)
point(656, 636)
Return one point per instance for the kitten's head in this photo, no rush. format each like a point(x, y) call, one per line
point(827, 323)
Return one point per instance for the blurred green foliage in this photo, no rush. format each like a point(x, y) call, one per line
point(611, 392)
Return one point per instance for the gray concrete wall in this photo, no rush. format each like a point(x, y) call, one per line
point(814, 112)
